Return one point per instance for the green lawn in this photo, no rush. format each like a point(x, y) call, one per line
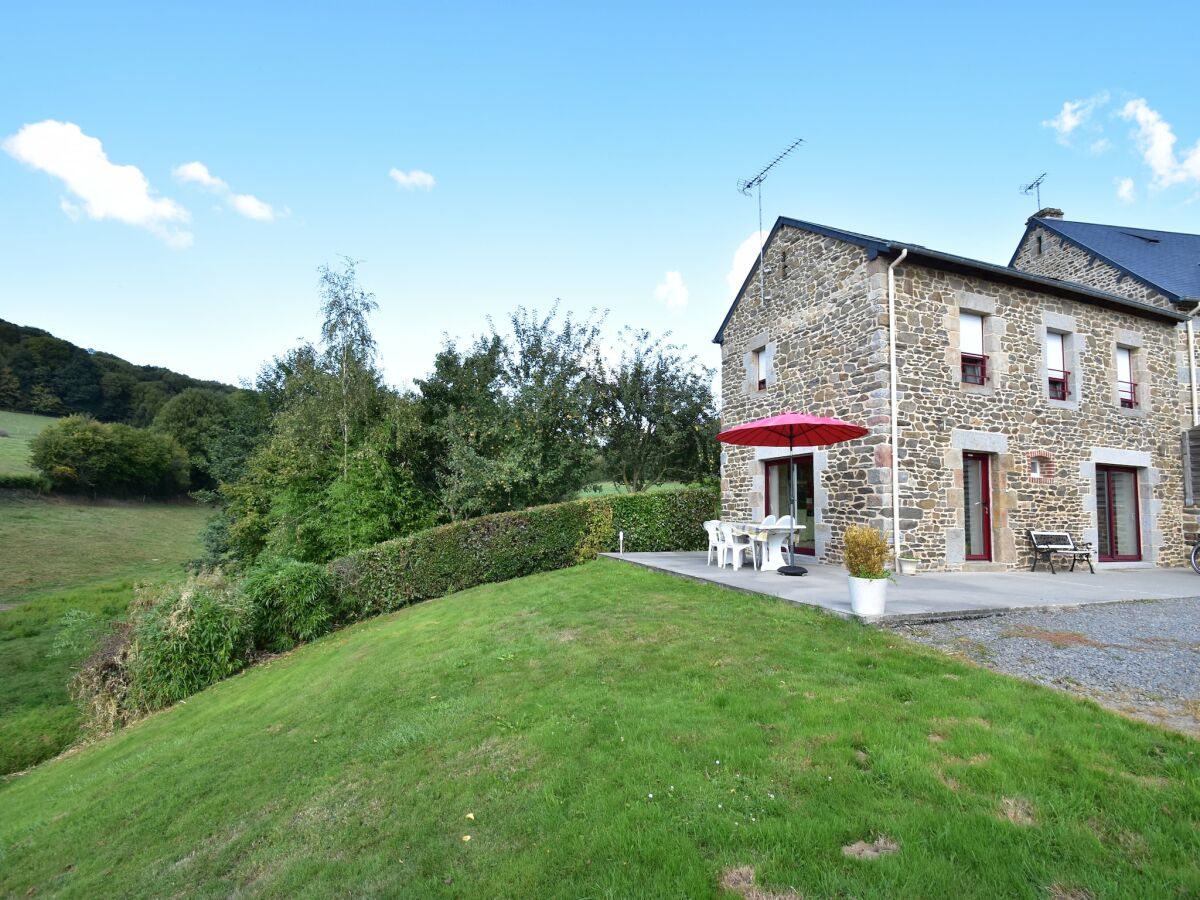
point(66, 557)
point(50, 543)
point(14, 449)
point(610, 732)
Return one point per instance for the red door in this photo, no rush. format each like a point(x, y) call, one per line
point(1117, 514)
point(977, 506)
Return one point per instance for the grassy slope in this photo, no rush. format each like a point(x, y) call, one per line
point(53, 543)
point(14, 449)
point(98, 551)
point(552, 708)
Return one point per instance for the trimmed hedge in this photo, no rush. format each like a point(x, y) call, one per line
point(499, 547)
point(24, 482)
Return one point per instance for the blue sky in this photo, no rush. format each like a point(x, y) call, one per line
point(578, 152)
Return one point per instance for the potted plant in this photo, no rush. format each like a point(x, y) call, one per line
point(908, 565)
point(867, 552)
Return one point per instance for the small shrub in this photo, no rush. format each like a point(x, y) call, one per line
point(24, 482)
point(867, 552)
point(291, 602)
point(103, 685)
point(81, 454)
point(195, 634)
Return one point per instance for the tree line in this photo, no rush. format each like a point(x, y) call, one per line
point(41, 373)
point(322, 457)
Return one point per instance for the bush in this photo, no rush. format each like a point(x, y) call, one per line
point(292, 602)
point(78, 453)
point(498, 547)
point(195, 634)
point(25, 482)
point(867, 552)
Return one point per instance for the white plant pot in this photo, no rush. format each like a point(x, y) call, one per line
point(908, 566)
point(868, 596)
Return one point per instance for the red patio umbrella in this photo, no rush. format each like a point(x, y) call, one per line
point(792, 430)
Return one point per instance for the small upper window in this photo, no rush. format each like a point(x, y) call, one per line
point(970, 337)
point(758, 368)
point(1039, 245)
point(1057, 377)
point(1126, 387)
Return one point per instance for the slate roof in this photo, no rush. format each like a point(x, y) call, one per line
point(1167, 261)
point(959, 264)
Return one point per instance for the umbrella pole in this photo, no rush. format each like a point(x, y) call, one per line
point(791, 568)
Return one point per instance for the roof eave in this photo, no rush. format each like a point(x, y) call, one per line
point(1091, 251)
point(1067, 289)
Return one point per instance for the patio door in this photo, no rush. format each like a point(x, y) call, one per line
point(777, 503)
point(1117, 531)
point(977, 506)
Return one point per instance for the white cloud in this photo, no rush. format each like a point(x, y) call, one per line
point(1101, 146)
point(197, 173)
point(411, 180)
point(1073, 114)
point(1156, 140)
point(106, 190)
point(672, 291)
point(1125, 191)
point(245, 204)
point(252, 208)
point(743, 259)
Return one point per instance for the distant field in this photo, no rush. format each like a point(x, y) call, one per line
point(53, 543)
point(14, 449)
point(607, 488)
point(64, 561)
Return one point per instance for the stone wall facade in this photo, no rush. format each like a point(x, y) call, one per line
point(823, 333)
point(1043, 252)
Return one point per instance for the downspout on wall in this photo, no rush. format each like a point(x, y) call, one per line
point(1191, 333)
point(894, 411)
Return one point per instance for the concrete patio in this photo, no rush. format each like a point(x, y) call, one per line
point(934, 596)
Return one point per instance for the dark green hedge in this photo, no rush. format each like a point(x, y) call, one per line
point(31, 482)
point(453, 557)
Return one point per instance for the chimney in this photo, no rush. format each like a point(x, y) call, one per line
point(1048, 212)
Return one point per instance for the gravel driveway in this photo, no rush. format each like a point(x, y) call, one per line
point(1141, 659)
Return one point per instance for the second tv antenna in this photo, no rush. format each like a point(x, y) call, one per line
point(755, 184)
point(1035, 187)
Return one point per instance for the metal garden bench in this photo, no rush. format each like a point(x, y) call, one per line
point(1048, 543)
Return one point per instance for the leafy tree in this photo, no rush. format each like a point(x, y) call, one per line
point(334, 472)
point(511, 419)
point(197, 419)
point(659, 417)
point(44, 401)
point(79, 453)
point(10, 389)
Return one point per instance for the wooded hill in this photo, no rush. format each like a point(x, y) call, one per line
point(41, 373)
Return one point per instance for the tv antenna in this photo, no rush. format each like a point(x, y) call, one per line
point(755, 184)
point(1035, 187)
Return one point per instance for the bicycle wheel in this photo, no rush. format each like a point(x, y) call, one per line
point(1196, 557)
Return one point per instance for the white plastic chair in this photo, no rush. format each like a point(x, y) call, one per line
point(736, 546)
point(769, 520)
point(714, 541)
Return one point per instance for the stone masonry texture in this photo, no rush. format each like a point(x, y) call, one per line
point(824, 332)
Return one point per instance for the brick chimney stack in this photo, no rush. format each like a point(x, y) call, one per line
point(1049, 212)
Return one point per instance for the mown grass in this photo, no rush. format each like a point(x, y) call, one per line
point(14, 449)
point(610, 732)
point(51, 543)
point(60, 557)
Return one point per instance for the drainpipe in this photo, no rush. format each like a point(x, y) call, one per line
point(1192, 363)
point(895, 404)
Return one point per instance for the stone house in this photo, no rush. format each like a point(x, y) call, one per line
point(1050, 393)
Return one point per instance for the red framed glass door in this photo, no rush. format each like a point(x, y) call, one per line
point(1117, 515)
point(777, 503)
point(977, 506)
